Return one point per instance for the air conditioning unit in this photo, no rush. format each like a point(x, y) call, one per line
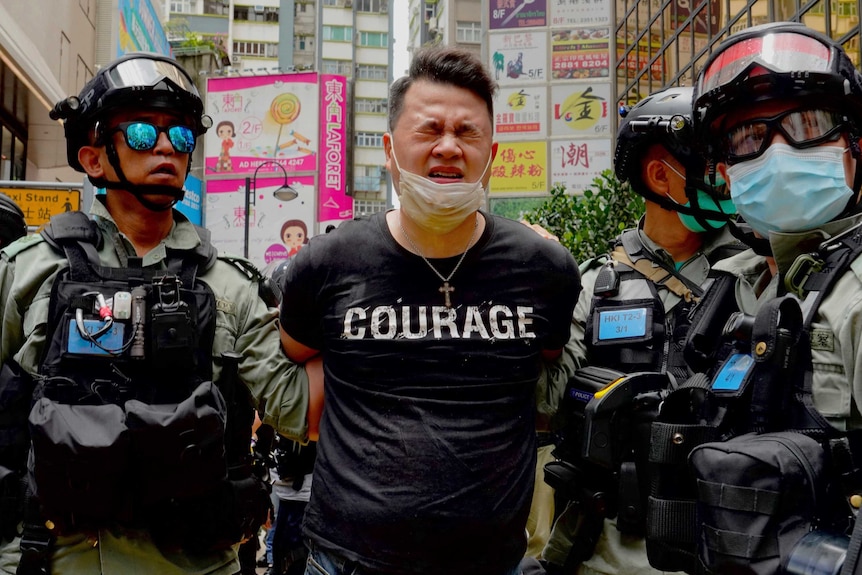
point(432, 22)
point(258, 9)
point(348, 3)
point(236, 60)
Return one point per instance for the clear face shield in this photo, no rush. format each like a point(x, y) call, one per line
point(779, 52)
point(149, 72)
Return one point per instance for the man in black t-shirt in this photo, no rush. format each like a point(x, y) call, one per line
point(432, 321)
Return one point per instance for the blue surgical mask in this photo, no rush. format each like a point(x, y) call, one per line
point(707, 202)
point(790, 190)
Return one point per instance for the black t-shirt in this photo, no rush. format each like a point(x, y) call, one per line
point(426, 455)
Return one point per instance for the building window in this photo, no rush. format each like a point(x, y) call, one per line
point(367, 178)
point(340, 67)
point(371, 72)
point(338, 33)
point(468, 32)
point(367, 207)
point(255, 13)
point(374, 39)
point(330, 2)
point(217, 7)
point(257, 49)
point(369, 139)
point(372, 105)
point(184, 6)
point(304, 42)
point(380, 6)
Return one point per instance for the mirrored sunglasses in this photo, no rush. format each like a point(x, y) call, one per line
point(142, 136)
point(801, 128)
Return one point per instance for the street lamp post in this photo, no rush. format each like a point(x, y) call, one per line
point(284, 193)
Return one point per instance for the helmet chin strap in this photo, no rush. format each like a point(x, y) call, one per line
point(139, 190)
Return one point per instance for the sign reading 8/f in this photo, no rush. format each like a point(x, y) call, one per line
point(39, 205)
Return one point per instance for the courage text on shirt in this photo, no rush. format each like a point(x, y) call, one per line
point(489, 322)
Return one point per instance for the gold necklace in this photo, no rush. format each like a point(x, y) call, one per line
point(446, 289)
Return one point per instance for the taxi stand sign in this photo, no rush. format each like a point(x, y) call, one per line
point(39, 204)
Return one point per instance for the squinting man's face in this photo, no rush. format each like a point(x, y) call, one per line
point(444, 133)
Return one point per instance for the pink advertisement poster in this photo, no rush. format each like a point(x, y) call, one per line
point(277, 229)
point(295, 120)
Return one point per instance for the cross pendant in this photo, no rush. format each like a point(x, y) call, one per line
point(446, 289)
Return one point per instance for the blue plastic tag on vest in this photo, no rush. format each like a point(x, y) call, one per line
point(110, 342)
point(622, 324)
point(733, 372)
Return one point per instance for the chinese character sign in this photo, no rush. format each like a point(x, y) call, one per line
point(705, 22)
point(580, 53)
point(580, 12)
point(258, 118)
point(520, 167)
point(277, 229)
point(576, 163)
point(333, 202)
point(517, 13)
point(521, 111)
point(519, 57)
point(581, 108)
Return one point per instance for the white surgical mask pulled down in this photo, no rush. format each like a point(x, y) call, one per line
point(438, 208)
point(790, 190)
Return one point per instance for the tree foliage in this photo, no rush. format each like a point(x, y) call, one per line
point(587, 223)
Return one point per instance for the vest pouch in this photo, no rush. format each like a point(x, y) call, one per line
point(79, 461)
point(757, 498)
point(178, 449)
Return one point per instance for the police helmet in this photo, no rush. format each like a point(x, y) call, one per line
point(138, 79)
point(779, 60)
point(12, 223)
point(660, 118)
point(664, 118)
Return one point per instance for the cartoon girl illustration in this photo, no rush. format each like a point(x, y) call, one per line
point(226, 132)
point(294, 234)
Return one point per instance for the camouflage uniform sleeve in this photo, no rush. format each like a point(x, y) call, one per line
point(245, 324)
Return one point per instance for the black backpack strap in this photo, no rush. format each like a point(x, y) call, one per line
point(37, 541)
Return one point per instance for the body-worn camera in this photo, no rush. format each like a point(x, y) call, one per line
point(607, 415)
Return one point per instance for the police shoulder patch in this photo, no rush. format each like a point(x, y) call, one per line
point(822, 340)
point(22, 244)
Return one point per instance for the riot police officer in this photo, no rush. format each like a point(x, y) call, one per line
point(136, 345)
point(778, 110)
point(655, 272)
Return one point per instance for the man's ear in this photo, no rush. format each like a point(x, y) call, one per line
point(387, 149)
point(655, 176)
point(90, 158)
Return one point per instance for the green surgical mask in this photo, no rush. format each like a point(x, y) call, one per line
point(705, 201)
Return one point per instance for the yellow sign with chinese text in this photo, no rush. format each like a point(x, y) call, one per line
point(39, 204)
point(520, 168)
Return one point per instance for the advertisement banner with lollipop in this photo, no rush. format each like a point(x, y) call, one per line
point(258, 118)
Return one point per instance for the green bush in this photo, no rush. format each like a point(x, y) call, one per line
point(586, 224)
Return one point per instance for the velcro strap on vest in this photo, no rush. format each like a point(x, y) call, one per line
point(656, 274)
point(672, 520)
point(737, 498)
point(739, 544)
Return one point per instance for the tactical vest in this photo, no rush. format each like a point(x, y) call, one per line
point(127, 425)
point(627, 328)
point(755, 377)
